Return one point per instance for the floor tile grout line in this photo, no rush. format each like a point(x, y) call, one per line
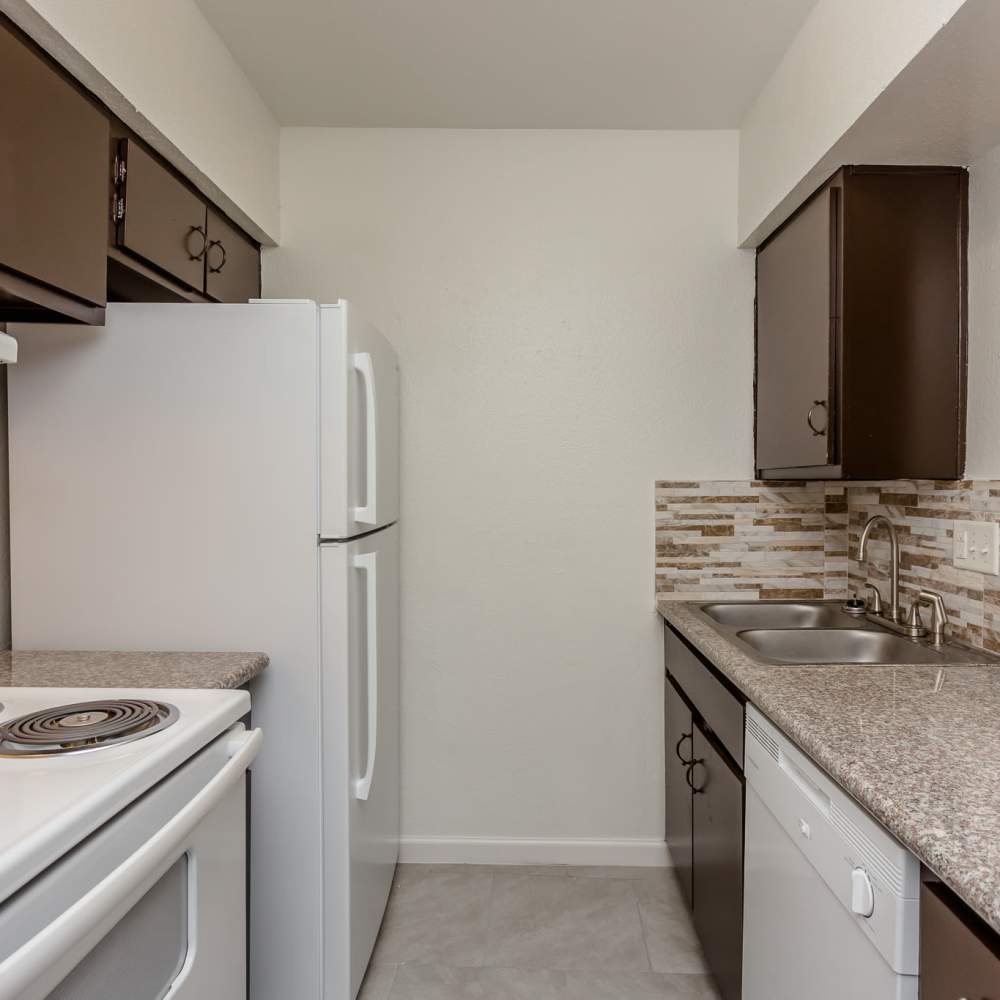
point(392, 982)
point(489, 919)
point(642, 929)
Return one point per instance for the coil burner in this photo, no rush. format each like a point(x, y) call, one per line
point(88, 725)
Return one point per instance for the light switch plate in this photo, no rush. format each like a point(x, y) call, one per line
point(977, 546)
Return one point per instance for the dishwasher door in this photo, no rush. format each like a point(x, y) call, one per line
point(805, 839)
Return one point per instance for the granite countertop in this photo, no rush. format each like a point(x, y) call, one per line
point(917, 746)
point(132, 670)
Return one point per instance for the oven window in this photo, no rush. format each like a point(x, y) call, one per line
point(143, 953)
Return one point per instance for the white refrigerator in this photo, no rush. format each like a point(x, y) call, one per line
point(213, 477)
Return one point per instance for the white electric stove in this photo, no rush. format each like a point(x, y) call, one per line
point(123, 843)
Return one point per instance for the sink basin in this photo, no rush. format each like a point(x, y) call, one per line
point(779, 615)
point(821, 632)
point(843, 645)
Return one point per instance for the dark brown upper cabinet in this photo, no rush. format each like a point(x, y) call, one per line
point(53, 191)
point(164, 227)
point(159, 219)
point(861, 330)
point(232, 262)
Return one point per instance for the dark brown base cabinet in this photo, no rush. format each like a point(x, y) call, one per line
point(861, 330)
point(679, 726)
point(717, 868)
point(705, 805)
point(959, 954)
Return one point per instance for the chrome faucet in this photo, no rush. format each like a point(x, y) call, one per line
point(892, 612)
point(892, 616)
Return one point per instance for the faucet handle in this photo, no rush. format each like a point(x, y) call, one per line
point(913, 615)
point(874, 601)
point(939, 617)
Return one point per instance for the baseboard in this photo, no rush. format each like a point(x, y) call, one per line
point(509, 851)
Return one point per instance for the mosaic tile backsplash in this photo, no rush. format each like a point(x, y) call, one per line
point(744, 540)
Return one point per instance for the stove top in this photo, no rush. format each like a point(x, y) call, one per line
point(54, 794)
point(84, 726)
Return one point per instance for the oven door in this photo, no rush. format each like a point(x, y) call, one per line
point(150, 907)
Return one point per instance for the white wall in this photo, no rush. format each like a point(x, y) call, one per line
point(573, 322)
point(845, 55)
point(984, 318)
point(163, 70)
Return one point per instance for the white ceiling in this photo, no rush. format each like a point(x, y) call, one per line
point(508, 63)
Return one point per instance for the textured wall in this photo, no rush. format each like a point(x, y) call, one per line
point(573, 320)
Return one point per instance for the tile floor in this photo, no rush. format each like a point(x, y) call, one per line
point(458, 932)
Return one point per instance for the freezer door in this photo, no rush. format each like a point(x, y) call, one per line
point(360, 593)
point(359, 434)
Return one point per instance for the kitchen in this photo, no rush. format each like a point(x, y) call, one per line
point(565, 263)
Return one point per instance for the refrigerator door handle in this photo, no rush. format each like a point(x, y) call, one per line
point(364, 366)
point(367, 562)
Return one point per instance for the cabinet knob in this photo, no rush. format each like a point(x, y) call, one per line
point(677, 749)
point(200, 230)
point(222, 263)
point(817, 431)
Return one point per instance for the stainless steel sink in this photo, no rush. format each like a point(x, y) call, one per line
point(785, 615)
point(821, 632)
point(840, 645)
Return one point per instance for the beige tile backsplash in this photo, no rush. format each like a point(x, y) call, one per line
point(745, 539)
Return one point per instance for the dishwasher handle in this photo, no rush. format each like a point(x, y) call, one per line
point(808, 788)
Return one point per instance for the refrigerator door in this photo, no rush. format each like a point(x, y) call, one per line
point(360, 678)
point(164, 495)
point(359, 433)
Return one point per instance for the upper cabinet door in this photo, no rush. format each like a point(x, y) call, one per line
point(796, 274)
point(232, 263)
point(161, 221)
point(53, 185)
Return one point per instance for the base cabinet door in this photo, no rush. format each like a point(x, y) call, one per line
point(717, 828)
point(678, 725)
point(959, 954)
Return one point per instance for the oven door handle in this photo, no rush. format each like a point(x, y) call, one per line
point(39, 965)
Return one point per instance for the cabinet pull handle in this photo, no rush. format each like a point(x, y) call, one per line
point(677, 749)
point(689, 772)
point(216, 243)
point(204, 242)
point(809, 418)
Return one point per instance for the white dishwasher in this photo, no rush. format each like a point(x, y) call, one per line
point(831, 900)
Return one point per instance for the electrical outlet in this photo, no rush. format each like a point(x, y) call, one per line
point(977, 546)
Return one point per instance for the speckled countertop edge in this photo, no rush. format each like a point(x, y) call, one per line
point(917, 746)
point(96, 669)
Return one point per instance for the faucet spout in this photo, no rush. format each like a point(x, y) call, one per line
point(892, 612)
